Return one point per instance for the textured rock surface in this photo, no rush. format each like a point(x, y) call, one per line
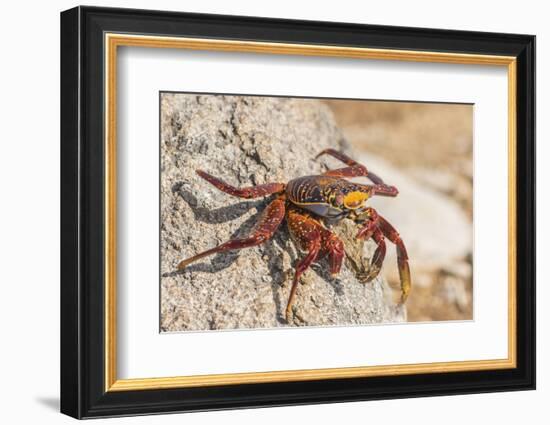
point(249, 140)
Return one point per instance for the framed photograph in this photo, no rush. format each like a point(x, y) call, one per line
point(261, 212)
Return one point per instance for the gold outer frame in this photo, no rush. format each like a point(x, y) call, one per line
point(113, 41)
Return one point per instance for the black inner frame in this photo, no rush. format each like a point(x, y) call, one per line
point(82, 208)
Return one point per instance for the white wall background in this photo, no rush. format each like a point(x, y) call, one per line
point(29, 224)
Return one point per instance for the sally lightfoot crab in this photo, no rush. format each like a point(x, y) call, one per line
point(311, 205)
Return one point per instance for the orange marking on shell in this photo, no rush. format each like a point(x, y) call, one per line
point(355, 199)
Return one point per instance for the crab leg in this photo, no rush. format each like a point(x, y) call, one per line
point(333, 246)
point(378, 228)
point(379, 189)
point(305, 231)
point(402, 258)
point(268, 223)
point(302, 266)
point(245, 192)
point(313, 237)
point(355, 169)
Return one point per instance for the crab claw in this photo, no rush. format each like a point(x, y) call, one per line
point(378, 257)
point(385, 190)
point(369, 228)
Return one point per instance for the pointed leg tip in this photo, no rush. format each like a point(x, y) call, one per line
point(336, 267)
point(182, 265)
point(288, 314)
point(203, 174)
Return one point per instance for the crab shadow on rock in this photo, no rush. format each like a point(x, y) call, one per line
point(272, 248)
point(224, 260)
point(279, 276)
point(218, 215)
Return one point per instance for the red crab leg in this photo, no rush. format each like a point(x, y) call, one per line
point(402, 258)
point(379, 189)
point(302, 266)
point(377, 227)
point(245, 192)
point(334, 247)
point(268, 223)
point(305, 231)
point(354, 169)
point(313, 237)
point(357, 170)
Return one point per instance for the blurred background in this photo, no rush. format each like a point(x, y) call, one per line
point(425, 150)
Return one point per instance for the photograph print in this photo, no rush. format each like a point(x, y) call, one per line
point(291, 212)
